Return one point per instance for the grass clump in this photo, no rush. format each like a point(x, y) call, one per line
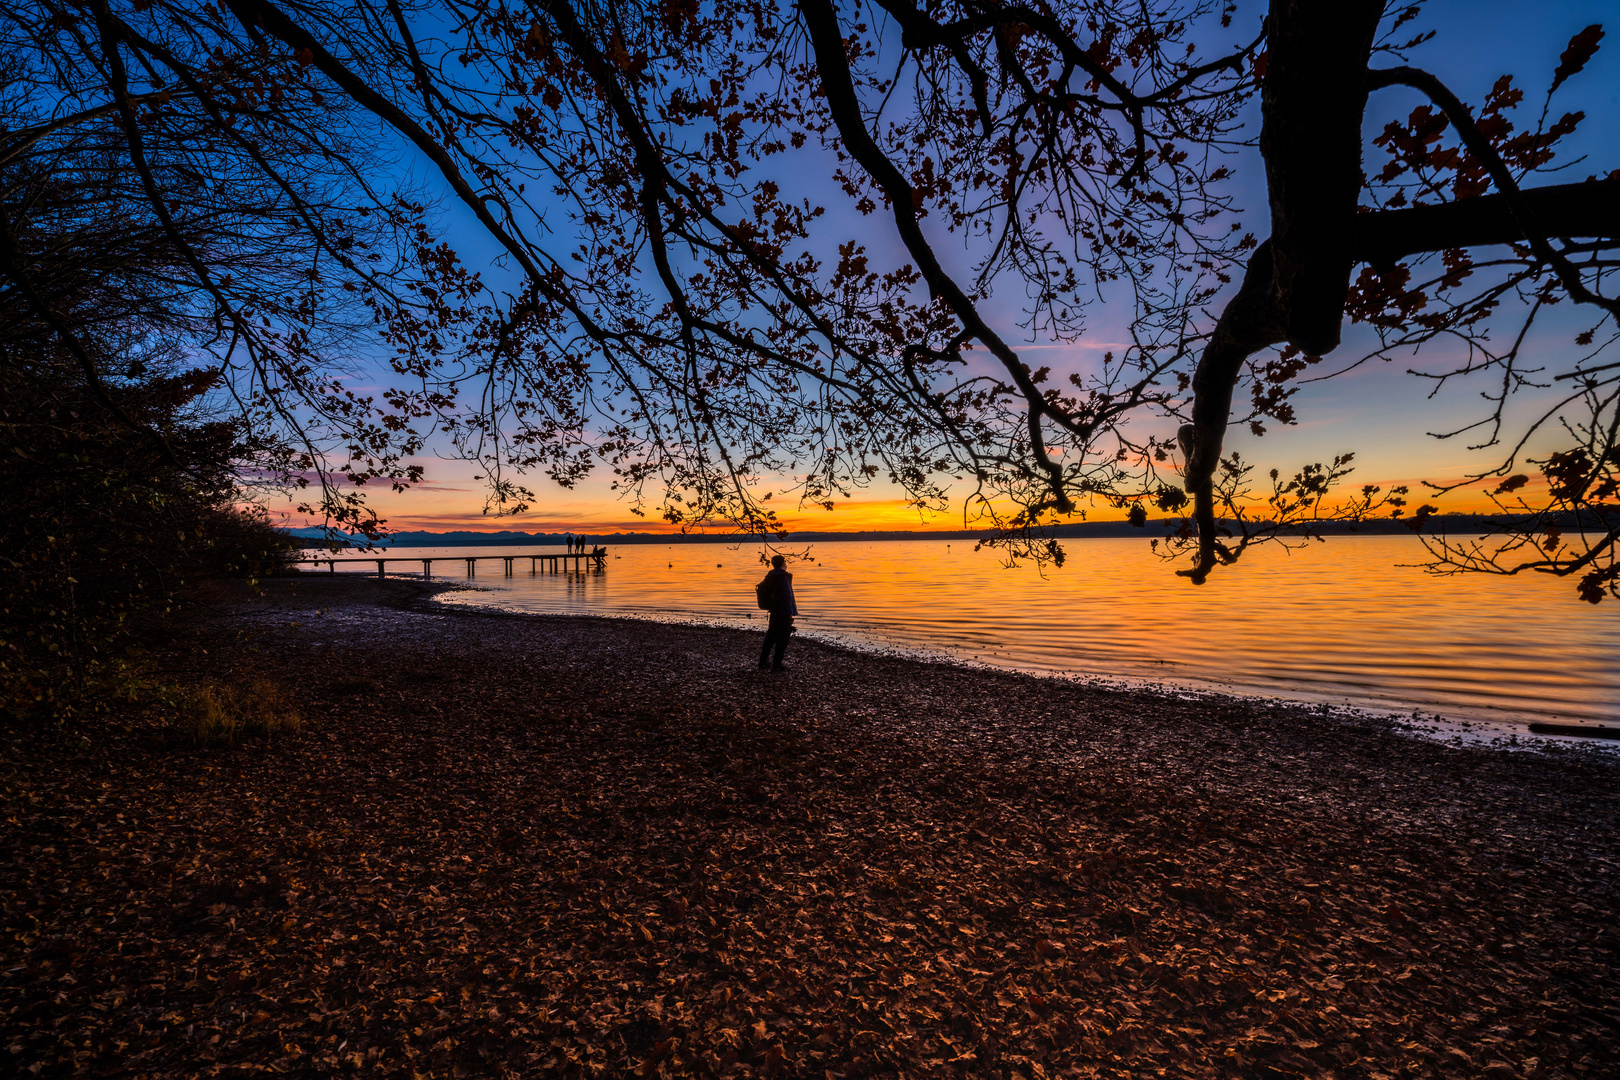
point(211, 714)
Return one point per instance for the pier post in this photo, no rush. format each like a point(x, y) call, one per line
point(331, 566)
point(470, 566)
point(380, 567)
point(427, 569)
point(509, 559)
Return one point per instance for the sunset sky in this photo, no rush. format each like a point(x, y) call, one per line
point(1378, 411)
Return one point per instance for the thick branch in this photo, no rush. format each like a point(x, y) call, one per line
point(1250, 322)
point(1530, 227)
point(1590, 210)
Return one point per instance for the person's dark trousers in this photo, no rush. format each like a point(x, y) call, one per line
point(776, 636)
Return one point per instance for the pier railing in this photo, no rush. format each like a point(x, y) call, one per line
point(573, 563)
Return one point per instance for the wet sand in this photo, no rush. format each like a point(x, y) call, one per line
point(535, 845)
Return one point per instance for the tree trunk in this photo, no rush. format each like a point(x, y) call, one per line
point(1295, 286)
point(1311, 106)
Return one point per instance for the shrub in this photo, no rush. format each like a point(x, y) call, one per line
point(213, 714)
point(102, 536)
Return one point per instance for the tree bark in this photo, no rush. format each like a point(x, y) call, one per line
point(1311, 106)
point(1589, 210)
point(1250, 322)
point(1295, 286)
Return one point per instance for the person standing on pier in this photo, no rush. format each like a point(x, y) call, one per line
point(776, 596)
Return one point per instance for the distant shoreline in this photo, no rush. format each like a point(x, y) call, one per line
point(1444, 524)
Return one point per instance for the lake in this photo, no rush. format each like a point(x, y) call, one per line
point(1340, 622)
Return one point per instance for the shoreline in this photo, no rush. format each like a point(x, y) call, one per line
point(1512, 735)
point(1447, 523)
point(579, 846)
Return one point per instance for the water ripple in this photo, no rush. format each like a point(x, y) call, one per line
point(1341, 622)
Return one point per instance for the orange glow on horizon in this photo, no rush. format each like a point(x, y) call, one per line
point(443, 509)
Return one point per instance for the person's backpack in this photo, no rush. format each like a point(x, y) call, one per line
point(764, 593)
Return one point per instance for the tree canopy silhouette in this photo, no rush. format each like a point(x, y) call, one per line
point(712, 245)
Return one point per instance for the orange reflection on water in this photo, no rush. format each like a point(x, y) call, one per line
point(1339, 622)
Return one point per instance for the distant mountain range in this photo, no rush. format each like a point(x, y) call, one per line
point(1439, 523)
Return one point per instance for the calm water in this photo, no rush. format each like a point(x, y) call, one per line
point(1340, 622)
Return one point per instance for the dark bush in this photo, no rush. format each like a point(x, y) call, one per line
point(104, 530)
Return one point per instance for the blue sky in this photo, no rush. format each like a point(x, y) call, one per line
point(1378, 411)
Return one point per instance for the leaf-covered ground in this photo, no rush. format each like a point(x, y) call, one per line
point(559, 847)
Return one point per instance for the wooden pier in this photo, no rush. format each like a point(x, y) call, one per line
point(575, 563)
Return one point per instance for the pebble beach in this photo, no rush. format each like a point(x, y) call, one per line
point(509, 845)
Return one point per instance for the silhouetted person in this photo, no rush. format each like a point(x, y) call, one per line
point(776, 591)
